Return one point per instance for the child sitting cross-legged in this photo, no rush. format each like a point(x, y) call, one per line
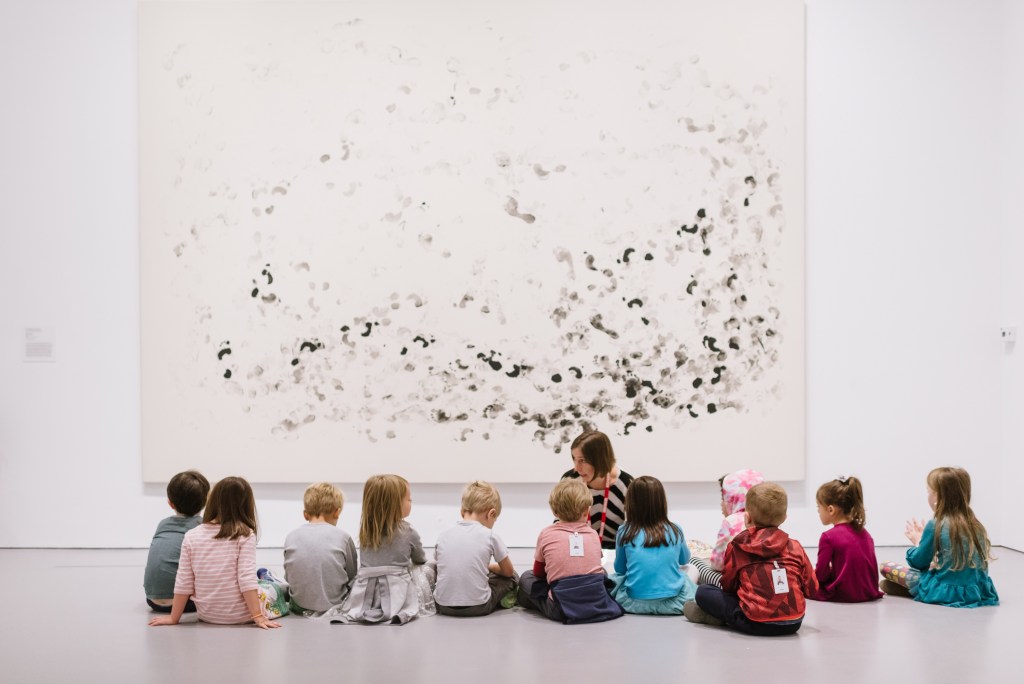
point(649, 553)
point(320, 561)
point(186, 495)
point(468, 583)
point(766, 577)
point(567, 582)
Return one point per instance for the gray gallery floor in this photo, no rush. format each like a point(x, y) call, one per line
point(79, 616)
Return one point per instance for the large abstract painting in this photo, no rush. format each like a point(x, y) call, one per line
point(443, 238)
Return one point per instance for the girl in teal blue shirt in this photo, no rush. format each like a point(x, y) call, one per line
point(948, 564)
point(649, 550)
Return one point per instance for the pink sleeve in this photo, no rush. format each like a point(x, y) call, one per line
point(185, 580)
point(725, 535)
point(247, 563)
point(538, 554)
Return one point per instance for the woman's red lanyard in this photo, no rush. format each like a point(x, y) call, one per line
point(604, 514)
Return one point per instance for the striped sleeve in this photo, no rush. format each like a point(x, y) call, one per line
point(185, 579)
point(247, 563)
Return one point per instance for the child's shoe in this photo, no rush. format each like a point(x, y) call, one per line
point(695, 613)
point(893, 589)
point(509, 599)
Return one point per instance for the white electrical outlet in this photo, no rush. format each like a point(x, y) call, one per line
point(1008, 333)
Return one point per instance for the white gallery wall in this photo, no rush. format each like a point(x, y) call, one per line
point(913, 250)
point(1011, 243)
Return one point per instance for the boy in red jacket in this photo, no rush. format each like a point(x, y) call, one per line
point(766, 575)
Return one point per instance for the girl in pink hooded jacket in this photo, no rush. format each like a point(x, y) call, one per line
point(734, 500)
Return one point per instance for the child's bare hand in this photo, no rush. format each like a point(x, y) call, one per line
point(162, 620)
point(264, 623)
point(913, 531)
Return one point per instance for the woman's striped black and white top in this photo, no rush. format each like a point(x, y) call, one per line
point(616, 506)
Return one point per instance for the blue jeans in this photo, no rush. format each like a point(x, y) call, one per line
point(726, 607)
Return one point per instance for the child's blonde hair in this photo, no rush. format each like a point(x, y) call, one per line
point(322, 499)
point(232, 505)
point(766, 504)
point(570, 499)
point(479, 497)
point(382, 509)
point(967, 536)
point(846, 494)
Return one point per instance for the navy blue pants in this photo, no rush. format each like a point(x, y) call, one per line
point(726, 607)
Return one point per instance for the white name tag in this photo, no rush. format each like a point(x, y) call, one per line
point(779, 580)
point(575, 544)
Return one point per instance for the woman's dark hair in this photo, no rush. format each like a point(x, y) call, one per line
point(597, 451)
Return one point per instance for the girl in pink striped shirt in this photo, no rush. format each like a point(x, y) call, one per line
point(218, 561)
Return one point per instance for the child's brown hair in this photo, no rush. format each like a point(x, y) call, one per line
point(967, 536)
point(187, 492)
point(382, 509)
point(232, 505)
point(846, 494)
point(647, 512)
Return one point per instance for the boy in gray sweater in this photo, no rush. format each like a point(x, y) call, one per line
point(320, 560)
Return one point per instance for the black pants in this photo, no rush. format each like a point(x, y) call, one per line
point(189, 607)
point(533, 594)
point(726, 607)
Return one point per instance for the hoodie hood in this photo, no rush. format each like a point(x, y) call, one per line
point(735, 487)
point(764, 542)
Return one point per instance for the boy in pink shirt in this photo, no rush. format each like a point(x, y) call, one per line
point(569, 548)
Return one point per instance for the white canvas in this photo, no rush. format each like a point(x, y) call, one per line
point(440, 239)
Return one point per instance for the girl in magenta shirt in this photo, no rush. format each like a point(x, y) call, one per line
point(846, 567)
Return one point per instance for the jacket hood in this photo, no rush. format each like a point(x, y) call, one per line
point(765, 542)
point(735, 487)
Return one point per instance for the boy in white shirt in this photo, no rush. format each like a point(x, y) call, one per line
point(469, 584)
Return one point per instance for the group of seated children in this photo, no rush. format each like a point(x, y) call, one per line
point(756, 579)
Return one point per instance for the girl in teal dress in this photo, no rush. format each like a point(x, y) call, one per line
point(948, 564)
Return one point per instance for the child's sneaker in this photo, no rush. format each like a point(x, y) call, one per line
point(695, 613)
